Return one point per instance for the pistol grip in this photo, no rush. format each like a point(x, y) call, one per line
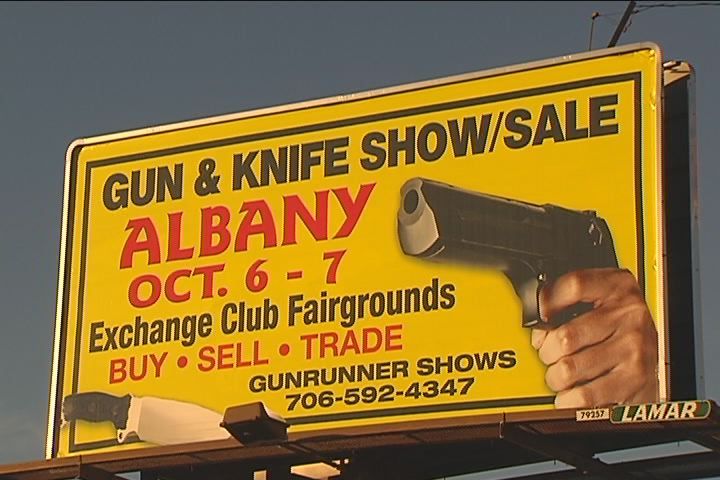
point(528, 289)
point(528, 283)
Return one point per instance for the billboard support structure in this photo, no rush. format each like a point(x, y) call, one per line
point(427, 450)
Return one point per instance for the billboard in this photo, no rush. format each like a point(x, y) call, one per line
point(475, 244)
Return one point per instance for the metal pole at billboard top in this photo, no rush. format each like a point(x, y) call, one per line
point(623, 22)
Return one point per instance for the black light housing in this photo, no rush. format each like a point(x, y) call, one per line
point(252, 423)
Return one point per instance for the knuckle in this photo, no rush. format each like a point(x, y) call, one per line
point(626, 279)
point(567, 338)
point(550, 379)
point(553, 377)
point(634, 341)
point(640, 355)
point(565, 373)
point(636, 317)
point(635, 361)
point(573, 283)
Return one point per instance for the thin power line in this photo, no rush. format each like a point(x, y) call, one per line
point(639, 9)
point(642, 8)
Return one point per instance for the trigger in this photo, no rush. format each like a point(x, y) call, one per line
point(569, 313)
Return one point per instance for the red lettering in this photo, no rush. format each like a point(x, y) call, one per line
point(117, 370)
point(209, 230)
point(294, 208)
point(158, 362)
point(308, 339)
point(155, 289)
point(239, 355)
point(155, 285)
point(133, 244)
point(137, 368)
point(368, 340)
point(350, 343)
point(225, 352)
point(207, 358)
point(257, 219)
point(230, 355)
point(175, 251)
point(266, 227)
point(256, 355)
point(352, 208)
point(143, 371)
point(366, 334)
point(390, 336)
point(170, 291)
point(208, 275)
point(328, 341)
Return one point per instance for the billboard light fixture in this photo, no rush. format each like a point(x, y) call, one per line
point(252, 423)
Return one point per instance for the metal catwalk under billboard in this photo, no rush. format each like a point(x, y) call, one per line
point(483, 243)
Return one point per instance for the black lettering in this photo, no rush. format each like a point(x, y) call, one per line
point(110, 343)
point(332, 155)
point(96, 336)
point(188, 330)
point(396, 145)
point(205, 325)
point(257, 384)
point(382, 371)
point(486, 360)
point(400, 369)
point(548, 126)
point(294, 162)
point(423, 145)
point(425, 366)
point(440, 364)
point(125, 340)
point(430, 296)
point(572, 132)
point(513, 125)
point(448, 298)
point(477, 137)
point(377, 304)
point(271, 314)
point(171, 183)
point(370, 146)
point(464, 363)
point(226, 325)
point(309, 159)
point(135, 196)
point(141, 331)
point(157, 332)
point(276, 165)
point(114, 198)
point(598, 115)
point(242, 168)
point(507, 359)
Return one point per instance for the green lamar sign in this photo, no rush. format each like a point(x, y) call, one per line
point(661, 412)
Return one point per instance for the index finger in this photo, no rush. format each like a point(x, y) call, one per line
point(593, 285)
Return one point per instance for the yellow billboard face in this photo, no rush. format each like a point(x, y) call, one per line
point(477, 244)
